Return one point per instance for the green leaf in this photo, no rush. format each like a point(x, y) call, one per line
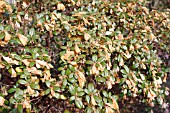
point(89, 110)
point(64, 82)
point(81, 93)
point(94, 57)
point(67, 111)
point(11, 90)
point(89, 62)
point(34, 86)
point(66, 27)
point(23, 82)
point(17, 57)
point(1, 27)
point(2, 35)
point(105, 93)
point(19, 108)
point(90, 87)
point(13, 110)
point(123, 71)
point(47, 83)
point(47, 91)
point(72, 90)
point(68, 72)
point(56, 88)
point(31, 64)
point(87, 98)
point(100, 59)
point(98, 99)
point(31, 31)
point(126, 68)
point(79, 103)
point(72, 98)
point(57, 95)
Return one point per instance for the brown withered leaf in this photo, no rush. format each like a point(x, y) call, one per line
point(77, 50)
point(26, 104)
point(23, 39)
point(34, 70)
point(42, 63)
point(14, 74)
point(81, 78)
point(60, 6)
point(7, 36)
point(2, 100)
point(10, 61)
point(109, 110)
point(93, 102)
point(86, 36)
point(30, 90)
point(26, 62)
point(79, 14)
point(67, 55)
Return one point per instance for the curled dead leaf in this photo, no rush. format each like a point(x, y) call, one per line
point(2, 100)
point(7, 36)
point(81, 79)
point(60, 6)
point(23, 39)
point(30, 90)
point(26, 104)
point(67, 55)
point(10, 61)
point(77, 50)
point(34, 70)
point(14, 74)
point(93, 102)
point(26, 62)
point(87, 36)
point(109, 109)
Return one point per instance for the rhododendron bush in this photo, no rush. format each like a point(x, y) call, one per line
point(102, 52)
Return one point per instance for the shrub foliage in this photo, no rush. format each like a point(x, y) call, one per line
point(103, 52)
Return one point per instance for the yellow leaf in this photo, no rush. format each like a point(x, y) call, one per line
point(63, 97)
point(19, 70)
point(14, 74)
point(87, 36)
point(60, 6)
point(23, 39)
point(2, 100)
point(77, 49)
point(7, 36)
